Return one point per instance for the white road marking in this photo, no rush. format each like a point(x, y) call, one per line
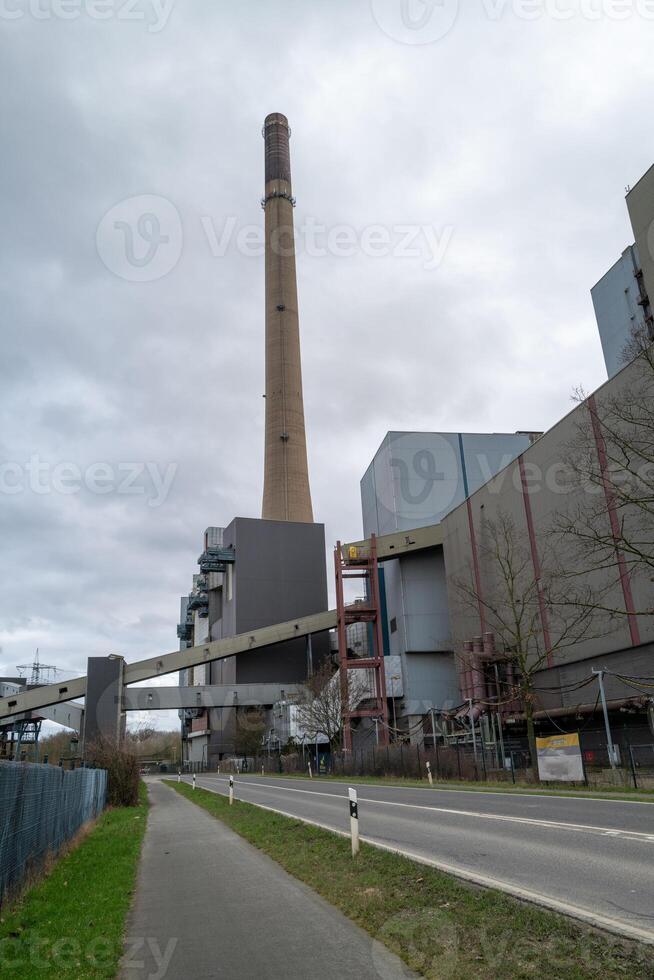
point(615, 926)
point(534, 795)
point(505, 818)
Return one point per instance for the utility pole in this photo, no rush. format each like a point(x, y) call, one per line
point(600, 676)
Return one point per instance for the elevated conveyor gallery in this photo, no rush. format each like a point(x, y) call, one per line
point(388, 547)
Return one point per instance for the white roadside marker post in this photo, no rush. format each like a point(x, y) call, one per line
point(429, 775)
point(262, 771)
point(310, 773)
point(231, 790)
point(193, 780)
point(354, 821)
point(179, 776)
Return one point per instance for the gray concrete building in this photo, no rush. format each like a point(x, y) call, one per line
point(534, 496)
point(278, 573)
point(619, 308)
point(416, 479)
point(622, 297)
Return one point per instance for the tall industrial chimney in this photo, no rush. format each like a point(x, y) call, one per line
point(286, 493)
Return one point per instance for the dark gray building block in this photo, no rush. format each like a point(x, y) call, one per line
point(103, 710)
point(279, 574)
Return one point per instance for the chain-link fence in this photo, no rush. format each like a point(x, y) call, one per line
point(41, 808)
point(447, 762)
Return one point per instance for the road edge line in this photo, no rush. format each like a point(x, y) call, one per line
point(533, 898)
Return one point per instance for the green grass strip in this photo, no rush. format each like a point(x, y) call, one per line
point(440, 927)
point(70, 925)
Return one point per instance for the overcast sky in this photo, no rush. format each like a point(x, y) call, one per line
point(493, 148)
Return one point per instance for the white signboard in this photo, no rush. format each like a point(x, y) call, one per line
point(559, 758)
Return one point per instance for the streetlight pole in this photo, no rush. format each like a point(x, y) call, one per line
point(600, 676)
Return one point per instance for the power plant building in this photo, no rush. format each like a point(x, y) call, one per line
point(528, 496)
point(258, 572)
point(415, 479)
point(622, 299)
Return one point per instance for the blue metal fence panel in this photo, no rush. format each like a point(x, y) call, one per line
point(41, 809)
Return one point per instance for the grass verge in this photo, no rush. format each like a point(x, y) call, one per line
point(605, 793)
point(70, 925)
point(440, 927)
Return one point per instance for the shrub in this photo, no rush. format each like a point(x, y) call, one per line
point(122, 767)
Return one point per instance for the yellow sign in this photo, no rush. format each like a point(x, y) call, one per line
point(558, 741)
point(354, 552)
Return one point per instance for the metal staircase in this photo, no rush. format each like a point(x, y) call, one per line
point(360, 562)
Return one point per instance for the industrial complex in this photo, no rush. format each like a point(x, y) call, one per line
point(501, 588)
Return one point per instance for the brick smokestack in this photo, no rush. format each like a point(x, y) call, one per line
point(286, 493)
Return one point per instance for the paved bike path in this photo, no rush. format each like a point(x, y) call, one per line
point(208, 904)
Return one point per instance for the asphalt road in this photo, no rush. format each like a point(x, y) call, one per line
point(590, 858)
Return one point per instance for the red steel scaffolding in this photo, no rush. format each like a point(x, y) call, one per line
point(359, 565)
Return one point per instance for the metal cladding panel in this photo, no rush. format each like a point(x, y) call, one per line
point(431, 681)
point(547, 496)
point(369, 503)
point(103, 702)
point(615, 301)
point(484, 456)
point(279, 574)
point(416, 478)
point(425, 609)
point(214, 537)
point(632, 662)
point(640, 204)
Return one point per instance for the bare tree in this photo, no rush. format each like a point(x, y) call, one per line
point(609, 516)
point(320, 711)
point(532, 620)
